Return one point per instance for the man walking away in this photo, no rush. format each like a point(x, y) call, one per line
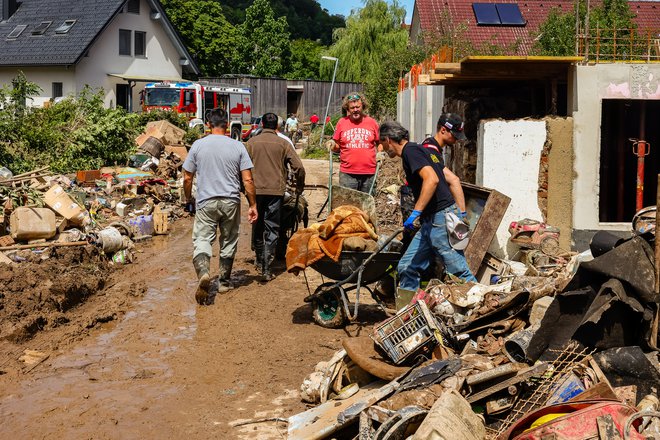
point(314, 120)
point(271, 155)
point(437, 191)
point(220, 164)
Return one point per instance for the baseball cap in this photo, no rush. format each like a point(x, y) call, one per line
point(458, 231)
point(454, 124)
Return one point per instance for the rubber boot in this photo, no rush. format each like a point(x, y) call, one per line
point(202, 263)
point(269, 257)
point(224, 279)
point(259, 258)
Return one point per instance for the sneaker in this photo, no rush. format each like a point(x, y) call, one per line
point(202, 293)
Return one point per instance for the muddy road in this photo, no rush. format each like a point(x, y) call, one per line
point(160, 366)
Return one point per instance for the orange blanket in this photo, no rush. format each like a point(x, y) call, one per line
point(311, 244)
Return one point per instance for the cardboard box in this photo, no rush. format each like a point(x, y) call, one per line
point(32, 223)
point(182, 152)
point(88, 176)
point(169, 134)
point(61, 203)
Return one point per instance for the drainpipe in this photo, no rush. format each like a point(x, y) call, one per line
point(641, 149)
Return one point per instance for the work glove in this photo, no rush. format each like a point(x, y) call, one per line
point(190, 206)
point(329, 144)
point(410, 221)
point(381, 156)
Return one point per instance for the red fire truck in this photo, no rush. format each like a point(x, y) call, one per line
point(197, 99)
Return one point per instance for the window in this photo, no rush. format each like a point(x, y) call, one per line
point(124, 42)
point(65, 27)
point(498, 14)
point(133, 6)
point(41, 29)
point(57, 89)
point(18, 30)
point(140, 48)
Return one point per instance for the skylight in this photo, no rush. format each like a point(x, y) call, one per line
point(41, 29)
point(498, 14)
point(65, 27)
point(18, 30)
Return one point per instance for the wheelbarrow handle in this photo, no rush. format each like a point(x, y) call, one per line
point(381, 247)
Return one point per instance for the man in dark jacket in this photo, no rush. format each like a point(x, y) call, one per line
point(271, 155)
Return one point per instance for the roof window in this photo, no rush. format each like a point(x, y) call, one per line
point(42, 28)
point(498, 14)
point(18, 30)
point(65, 27)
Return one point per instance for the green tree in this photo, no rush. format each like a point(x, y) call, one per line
point(611, 21)
point(210, 38)
point(305, 60)
point(265, 41)
point(370, 33)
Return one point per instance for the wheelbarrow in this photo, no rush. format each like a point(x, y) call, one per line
point(353, 271)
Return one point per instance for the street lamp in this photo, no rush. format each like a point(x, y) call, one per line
point(325, 118)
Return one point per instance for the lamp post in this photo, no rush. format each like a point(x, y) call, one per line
point(325, 118)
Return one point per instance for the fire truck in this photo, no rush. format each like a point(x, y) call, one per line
point(197, 99)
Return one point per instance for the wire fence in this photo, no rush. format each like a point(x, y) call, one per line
point(610, 45)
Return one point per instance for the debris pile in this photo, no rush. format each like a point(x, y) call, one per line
point(559, 345)
point(80, 225)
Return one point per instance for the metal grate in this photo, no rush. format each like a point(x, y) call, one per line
point(536, 397)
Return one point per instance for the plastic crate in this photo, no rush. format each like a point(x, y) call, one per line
point(409, 332)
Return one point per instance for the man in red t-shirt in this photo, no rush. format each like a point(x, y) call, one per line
point(314, 119)
point(356, 141)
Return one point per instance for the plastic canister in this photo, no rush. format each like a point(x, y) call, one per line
point(32, 223)
point(142, 225)
point(5, 173)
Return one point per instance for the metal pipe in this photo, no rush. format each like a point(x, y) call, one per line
point(325, 118)
point(641, 151)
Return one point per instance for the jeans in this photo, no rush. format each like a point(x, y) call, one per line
point(431, 239)
point(219, 212)
point(359, 182)
point(266, 230)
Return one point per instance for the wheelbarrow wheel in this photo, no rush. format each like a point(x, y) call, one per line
point(328, 310)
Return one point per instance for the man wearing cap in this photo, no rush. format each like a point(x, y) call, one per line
point(438, 197)
point(356, 141)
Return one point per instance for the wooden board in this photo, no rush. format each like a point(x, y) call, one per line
point(486, 228)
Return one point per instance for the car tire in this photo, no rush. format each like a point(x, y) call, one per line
point(236, 133)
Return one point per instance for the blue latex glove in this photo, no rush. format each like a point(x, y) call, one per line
point(462, 215)
point(408, 224)
point(190, 207)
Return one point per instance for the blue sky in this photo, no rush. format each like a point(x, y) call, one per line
point(344, 7)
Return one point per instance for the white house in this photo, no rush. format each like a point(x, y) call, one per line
point(114, 45)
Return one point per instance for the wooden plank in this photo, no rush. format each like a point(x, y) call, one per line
point(447, 67)
point(42, 245)
point(485, 229)
point(521, 376)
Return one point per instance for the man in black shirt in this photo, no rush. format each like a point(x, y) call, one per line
point(437, 191)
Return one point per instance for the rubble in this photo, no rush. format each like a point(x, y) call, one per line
point(103, 211)
point(558, 342)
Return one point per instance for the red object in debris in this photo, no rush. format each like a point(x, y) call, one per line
point(579, 421)
point(641, 149)
point(533, 234)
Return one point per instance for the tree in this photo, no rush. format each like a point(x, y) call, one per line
point(613, 20)
point(304, 60)
point(265, 41)
point(209, 37)
point(370, 33)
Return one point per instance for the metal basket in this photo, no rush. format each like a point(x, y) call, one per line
point(409, 332)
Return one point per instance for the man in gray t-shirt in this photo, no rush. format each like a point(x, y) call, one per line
point(220, 163)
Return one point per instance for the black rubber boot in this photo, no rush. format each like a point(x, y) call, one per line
point(202, 262)
point(259, 259)
point(269, 257)
point(224, 279)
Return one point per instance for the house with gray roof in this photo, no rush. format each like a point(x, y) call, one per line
point(114, 45)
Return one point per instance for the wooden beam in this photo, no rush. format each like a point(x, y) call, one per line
point(447, 67)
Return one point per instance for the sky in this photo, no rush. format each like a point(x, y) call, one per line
point(344, 7)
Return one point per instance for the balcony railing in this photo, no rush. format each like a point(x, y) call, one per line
point(622, 45)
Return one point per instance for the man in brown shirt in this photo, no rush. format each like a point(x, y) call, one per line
point(271, 155)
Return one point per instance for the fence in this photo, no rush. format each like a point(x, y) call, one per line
point(609, 45)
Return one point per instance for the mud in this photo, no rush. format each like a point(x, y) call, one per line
point(140, 359)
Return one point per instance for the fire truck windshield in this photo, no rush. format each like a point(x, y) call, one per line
point(164, 97)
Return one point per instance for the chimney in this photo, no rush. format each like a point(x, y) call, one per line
point(8, 8)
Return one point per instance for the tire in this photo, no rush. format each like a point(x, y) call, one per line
point(236, 133)
point(328, 310)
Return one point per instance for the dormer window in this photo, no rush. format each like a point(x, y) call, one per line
point(41, 29)
point(65, 27)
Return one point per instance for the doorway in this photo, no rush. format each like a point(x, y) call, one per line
point(623, 120)
point(293, 102)
point(124, 96)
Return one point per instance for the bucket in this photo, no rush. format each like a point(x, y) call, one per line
point(516, 345)
point(110, 240)
point(152, 146)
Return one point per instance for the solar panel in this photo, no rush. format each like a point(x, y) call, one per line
point(510, 14)
point(18, 30)
point(486, 13)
